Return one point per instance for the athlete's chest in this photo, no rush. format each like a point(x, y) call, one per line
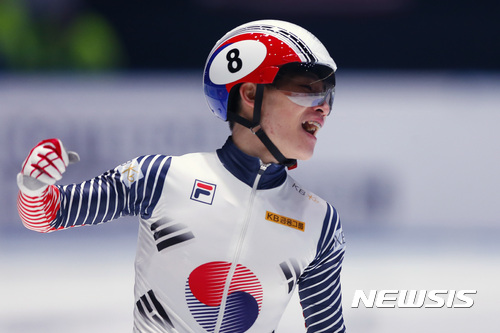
point(213, 242)
point(204, 204)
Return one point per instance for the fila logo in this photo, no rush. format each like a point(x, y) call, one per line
point(203, 192)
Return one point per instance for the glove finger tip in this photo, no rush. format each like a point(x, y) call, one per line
point(73, 157)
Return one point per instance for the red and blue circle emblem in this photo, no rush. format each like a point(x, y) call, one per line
point(205, 292)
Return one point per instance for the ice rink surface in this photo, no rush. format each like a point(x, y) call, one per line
point(410, 160)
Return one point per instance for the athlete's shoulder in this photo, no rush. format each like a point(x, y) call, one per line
point(195, 160)
point(195, 155)
point(304, 193)
point(142, 168)
point(311, 202)
point(144, 161)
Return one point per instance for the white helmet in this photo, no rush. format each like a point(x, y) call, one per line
point(255, 52)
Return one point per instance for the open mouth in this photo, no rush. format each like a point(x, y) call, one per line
point(311, 127)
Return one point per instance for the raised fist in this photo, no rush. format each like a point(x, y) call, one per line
point(45, 165)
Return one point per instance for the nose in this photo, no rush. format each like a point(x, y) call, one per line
point(324, 108)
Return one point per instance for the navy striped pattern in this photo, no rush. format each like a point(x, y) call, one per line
point(108, 196)
point(319, 285)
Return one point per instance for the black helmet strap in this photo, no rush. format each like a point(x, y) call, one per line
point(259, 94)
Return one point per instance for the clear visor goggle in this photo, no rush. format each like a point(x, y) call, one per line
point(319, 79)
point(311, 99)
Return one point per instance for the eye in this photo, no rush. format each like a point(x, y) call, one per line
point(305, 88)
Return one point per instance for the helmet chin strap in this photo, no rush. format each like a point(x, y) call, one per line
point(271, 147)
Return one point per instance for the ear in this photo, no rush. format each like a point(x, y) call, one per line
point(247, 94)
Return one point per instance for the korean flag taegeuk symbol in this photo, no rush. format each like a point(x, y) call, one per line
point(203, 192)
point(207, 298)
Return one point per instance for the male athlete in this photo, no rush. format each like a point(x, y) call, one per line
point(224, 237)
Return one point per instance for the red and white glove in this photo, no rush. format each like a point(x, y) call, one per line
point(45, 165)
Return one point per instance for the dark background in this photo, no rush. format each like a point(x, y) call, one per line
point(360, 34)
point(420, 34)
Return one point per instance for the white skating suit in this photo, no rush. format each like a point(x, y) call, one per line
point(223, 241)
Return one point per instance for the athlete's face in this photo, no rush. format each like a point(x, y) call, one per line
point(290, 126)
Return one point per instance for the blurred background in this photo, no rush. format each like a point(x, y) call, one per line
point(410, 156)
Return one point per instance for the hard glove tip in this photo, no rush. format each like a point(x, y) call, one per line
point(73, 157)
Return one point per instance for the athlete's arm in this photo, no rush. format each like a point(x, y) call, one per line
point(319, 286)
point(130, 189)
point(38, 198)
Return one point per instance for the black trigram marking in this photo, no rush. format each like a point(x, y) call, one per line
point(150, 308)
point(292, 271)
point(167, 234)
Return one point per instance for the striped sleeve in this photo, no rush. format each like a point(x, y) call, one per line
point(37, 212)
point(132, 188)
point(319, 286)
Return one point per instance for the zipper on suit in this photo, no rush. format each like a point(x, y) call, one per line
point(239, 247)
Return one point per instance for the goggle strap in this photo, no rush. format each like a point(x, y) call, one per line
point(289, 163)
point(259, 95)
point(231, 116)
